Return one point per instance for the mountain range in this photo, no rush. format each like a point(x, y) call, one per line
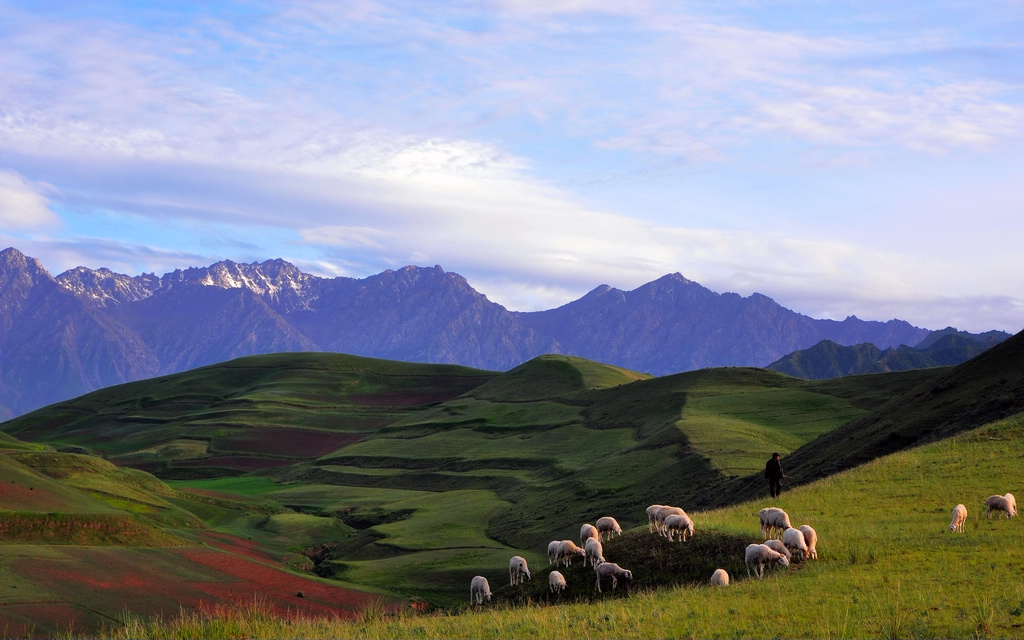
point(941, 348)
point(86, 329)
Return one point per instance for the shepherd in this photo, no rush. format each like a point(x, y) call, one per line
point(773, 471)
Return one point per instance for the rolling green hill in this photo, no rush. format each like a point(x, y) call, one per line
point(413, 478)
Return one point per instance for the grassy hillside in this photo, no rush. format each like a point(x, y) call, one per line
point(944, 403)
point(248, 414)
point(83, 541)
point(414, 478)
point(888, 567)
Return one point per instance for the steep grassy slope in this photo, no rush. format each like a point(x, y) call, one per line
point(987, 387)
point(887, 567)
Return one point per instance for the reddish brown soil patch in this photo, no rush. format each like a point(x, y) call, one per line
point(298, 443)
point(279, 587)
point(235, 463)
point(412, 398)
point(17, 496)
point(234, 544)
point(88, 583)
point(46, 620)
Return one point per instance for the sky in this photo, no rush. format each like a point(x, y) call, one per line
point(844, 158)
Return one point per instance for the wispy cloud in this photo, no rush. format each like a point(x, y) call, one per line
point(23, 205)
point(353, 136)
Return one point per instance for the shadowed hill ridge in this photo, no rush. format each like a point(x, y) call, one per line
point(954, 399)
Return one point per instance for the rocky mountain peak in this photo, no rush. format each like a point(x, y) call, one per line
point(107, 288)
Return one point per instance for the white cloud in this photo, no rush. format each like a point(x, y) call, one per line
point(23, 205)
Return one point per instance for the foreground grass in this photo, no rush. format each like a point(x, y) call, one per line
point(888, 568)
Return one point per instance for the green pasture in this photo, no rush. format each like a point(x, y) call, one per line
point(734, 427)
point(888, 567)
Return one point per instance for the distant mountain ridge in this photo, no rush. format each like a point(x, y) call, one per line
point(941, 348)
point(86, 329)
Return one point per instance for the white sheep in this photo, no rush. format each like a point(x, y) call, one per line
point(565, 552)
point(778, 545)
point(594, 552)
point(518, 572)
point(772, 519)
point(811, 539)
point(478, 590)
point(760, 555)
point(556, 581)
point(553, 551)
point(664, 512)
point(608, 525)
point(606, 569)
point(1007, 504)
point(681, 524)
point(794, 540)
point(720, 578)
point(652, 512)
point(959, 518)
point(587, 531)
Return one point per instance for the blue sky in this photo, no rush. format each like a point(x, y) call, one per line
point(843, 158)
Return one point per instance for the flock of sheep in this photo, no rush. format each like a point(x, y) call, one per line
point(1007, 504)
point(799, 543)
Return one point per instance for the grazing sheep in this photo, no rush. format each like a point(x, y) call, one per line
point(794, 540)
point(959, 518)
point(760, 555)
point(720, 578)
point(478, 590)
point(652, 512)
point(556, 581)
point(778, 545)
point(608, 525)
point(553, 551)
point(518, 572)
point(566, 550)
point(811, 539)
point(587, 531)
point(1007, 504)
point(772, 519)
point(595, 552)
point(681, 524)
point(664, 512)
point(606, 569)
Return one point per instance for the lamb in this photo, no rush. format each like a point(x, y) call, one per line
point(811, 539)
point(778, 545)
point(518, 572)
point(664, 512)
point(720, 578)
point(959, 518)
point(608, 525)
point(682, 524)
point(566, 550)
point(478, 590)
point(605, 569)
point(760, 555)
point(1007, 504)
point(587, 531)
point(556, 581)
point(794, 540)
point(773, 518)
point(652, 512)
point(594, 552)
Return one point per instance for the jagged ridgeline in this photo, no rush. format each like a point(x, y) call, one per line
point(441, 472)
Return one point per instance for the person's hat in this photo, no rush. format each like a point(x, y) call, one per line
point(775, 455)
